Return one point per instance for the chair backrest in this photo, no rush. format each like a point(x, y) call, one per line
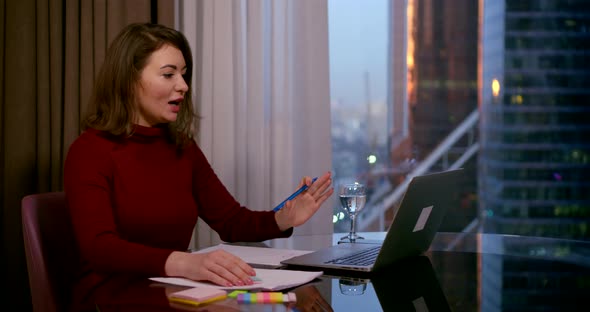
point(51, 252)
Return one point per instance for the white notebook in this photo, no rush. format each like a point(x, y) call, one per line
point(270, 280)
point(262, 257)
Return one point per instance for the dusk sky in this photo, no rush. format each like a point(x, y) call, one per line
point(358, 43)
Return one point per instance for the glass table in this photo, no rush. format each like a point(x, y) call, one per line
point(460, 272)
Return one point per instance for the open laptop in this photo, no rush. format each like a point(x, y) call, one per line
point(414, 226)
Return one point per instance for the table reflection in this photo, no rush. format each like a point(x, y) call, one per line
point(352, 288)
point(411, 285)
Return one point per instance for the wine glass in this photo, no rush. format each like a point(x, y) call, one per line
point(352, 198)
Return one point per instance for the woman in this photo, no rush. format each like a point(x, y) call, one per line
point(136, 181)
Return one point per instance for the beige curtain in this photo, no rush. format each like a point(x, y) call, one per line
point(51, 51)
point(262, 89)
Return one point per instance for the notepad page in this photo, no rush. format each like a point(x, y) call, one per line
point(270, 280)
point(258, 255)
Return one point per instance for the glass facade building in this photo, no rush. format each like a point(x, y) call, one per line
point(535, 118)
point(535, 151)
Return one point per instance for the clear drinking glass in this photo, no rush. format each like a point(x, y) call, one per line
point(352, 198)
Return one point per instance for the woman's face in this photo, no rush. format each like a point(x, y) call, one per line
point(161, 87)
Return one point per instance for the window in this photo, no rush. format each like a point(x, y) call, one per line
point(416, 63)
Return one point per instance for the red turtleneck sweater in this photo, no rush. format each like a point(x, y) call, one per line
point(135, 200)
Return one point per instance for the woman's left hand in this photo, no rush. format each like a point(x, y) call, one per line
point(304, 206)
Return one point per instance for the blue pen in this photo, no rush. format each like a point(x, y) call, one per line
point(301, 189)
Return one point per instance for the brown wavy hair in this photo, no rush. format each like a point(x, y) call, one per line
point(111, 108)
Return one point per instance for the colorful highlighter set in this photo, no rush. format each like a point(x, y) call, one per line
point(266, 297)
point(203, 295)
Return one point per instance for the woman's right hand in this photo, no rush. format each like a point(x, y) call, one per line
point(218, 266)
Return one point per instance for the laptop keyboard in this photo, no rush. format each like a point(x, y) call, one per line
point(361, 258)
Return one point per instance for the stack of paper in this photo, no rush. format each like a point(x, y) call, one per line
point(269, 280)
point(270, 257)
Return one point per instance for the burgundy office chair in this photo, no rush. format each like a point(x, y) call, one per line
point(50, 248)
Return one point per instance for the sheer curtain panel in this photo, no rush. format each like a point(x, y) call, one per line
point(262, 90)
